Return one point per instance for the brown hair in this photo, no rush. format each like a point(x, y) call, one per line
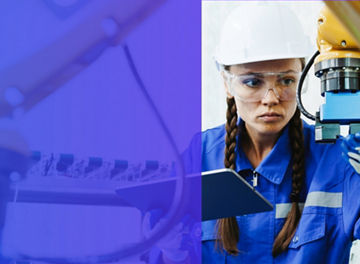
point(228, 229)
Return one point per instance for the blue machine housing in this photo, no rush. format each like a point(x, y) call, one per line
point(341, 107)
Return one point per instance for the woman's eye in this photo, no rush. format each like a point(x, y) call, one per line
point(252, 82)
point(287, 81)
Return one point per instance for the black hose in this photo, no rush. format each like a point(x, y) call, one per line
point(299, 87)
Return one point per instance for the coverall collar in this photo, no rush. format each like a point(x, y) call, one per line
point(275, 164)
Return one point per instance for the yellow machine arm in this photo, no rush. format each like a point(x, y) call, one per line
point(337, 36)
point(348, 13)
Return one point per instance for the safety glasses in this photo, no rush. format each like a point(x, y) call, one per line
point(254, 87)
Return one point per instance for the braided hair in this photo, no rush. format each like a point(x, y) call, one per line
point(227, 228)
point(285, 235)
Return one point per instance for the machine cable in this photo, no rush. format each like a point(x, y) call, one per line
point(299, 87)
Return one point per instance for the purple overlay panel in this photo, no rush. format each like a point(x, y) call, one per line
point(99, 101)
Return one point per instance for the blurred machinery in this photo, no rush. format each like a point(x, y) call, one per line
point(68, 201)
point(68, 179)
point(80, 31)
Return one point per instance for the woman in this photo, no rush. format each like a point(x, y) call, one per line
point(314, 191)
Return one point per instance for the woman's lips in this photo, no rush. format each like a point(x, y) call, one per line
point(270, 117)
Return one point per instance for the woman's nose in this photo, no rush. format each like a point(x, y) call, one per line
point(271, 97)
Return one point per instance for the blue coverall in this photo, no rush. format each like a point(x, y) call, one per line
point(330, 200)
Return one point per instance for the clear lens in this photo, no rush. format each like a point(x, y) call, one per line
point(254, 87)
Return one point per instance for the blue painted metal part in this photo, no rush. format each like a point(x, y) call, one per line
point(341, 107)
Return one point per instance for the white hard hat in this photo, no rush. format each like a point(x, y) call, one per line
point(260, 32)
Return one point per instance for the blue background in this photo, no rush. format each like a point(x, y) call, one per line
point(99, 111)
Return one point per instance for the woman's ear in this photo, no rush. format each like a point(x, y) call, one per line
point(226, 85)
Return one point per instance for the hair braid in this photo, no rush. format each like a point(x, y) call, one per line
point(231, 133)
point(285, 235)
point(228, 229)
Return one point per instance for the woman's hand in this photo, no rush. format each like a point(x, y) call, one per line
point(351, 150)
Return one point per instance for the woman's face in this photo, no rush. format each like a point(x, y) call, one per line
point(269, 113)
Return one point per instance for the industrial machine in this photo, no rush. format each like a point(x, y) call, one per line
point(337, 65)
point(67, 36)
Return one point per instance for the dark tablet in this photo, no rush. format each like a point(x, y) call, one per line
point(225, 193)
